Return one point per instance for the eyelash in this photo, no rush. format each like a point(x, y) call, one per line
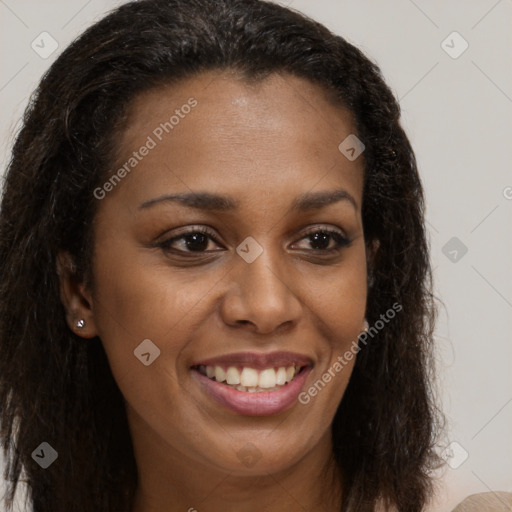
point(341, 240)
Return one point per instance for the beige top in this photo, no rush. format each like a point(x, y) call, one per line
point(497, 501)
point(486, 502)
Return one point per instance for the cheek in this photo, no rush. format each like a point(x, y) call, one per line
point(136, 302)
point(341, 308)
point(142, 299)
point(139, 299)
point(341, 303)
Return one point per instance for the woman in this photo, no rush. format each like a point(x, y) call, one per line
point(215, 285)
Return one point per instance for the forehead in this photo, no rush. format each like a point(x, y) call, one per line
point(217, 132)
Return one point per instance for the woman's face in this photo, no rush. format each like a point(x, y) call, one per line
point(263, 289)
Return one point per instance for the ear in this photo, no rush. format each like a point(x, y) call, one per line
point(76, 299)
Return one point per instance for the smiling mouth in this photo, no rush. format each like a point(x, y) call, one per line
point(251, 380)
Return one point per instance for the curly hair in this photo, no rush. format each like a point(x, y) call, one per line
point(54, 387)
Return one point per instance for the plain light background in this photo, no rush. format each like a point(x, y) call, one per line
point(457, 113)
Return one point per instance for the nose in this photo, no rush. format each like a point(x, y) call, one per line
point(262, 294)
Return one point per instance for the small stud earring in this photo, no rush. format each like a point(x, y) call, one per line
point(366, 325)
point(80, 324)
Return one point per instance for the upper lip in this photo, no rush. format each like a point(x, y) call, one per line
point(257, 360)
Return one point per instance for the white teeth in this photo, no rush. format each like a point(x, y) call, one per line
point(267, 378)
point(220, 374)
point(250, 379)
point(281, 376)
point(232, 375)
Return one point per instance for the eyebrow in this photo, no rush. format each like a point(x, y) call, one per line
point(208, 201)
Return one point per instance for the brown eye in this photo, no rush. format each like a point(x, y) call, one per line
point(320, 240)
point(195, 241)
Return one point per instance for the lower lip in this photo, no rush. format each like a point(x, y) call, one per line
point(257, 403)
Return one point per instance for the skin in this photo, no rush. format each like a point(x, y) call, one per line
point(263, 144)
